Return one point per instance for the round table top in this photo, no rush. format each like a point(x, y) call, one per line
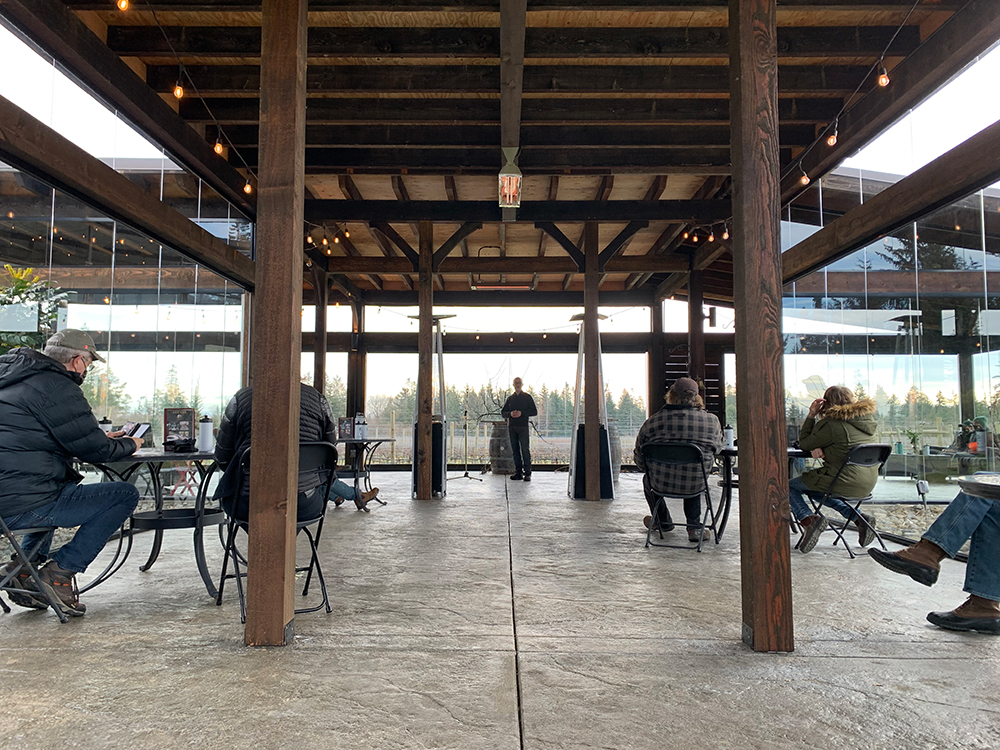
point(981, 485)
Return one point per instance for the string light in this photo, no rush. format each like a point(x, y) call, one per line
point(694, 238)
point(248, 188)
point(711, 236)
point(686, 235)
point(883, 76)
point(347, 234)
point(179, 86)
point(831, 140)
point(218, 146)
point(309, 239)
point(725, 233)
point(122, 5)
point(336, 240)
point(804, 179)
point(324, 242)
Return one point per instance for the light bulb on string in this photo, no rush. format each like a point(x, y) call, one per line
point(883, 76)
point(179, 86)
point(725, 233)
point(218, 146)
point(336, 240)
point(831, 139)
point(694, 238)
point(248, 188)
point(347, 234)
point(804, 179)
point(325, 241)
point(686, 235)
point(309, 239)
point(711, 236)
point(122, 5)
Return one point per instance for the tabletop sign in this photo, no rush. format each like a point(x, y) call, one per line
point(345, 427)
point(179, 423)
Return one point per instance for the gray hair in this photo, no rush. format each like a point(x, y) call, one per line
point(63, 355)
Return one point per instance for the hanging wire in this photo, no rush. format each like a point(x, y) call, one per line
point(186, 74)
point(797, 164)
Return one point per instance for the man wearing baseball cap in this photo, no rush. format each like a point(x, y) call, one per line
point(46, 422)
point(682, 420)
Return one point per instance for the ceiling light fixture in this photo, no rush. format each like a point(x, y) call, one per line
point(510, 180)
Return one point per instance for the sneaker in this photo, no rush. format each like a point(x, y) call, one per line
point(699, 535)
point(866, 531)
point(21, 581)
point(527, 477)
point(812, 527)
point(61, 584)
point(517, 477)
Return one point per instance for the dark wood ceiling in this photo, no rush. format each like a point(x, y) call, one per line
point(621, 100)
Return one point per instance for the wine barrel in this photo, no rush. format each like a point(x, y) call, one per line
point(501, 455)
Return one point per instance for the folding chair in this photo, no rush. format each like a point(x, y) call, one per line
point(674, 455)
point(312, 456)
point(23, 562)
point(866, 455)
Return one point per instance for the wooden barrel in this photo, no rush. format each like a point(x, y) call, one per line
point(501, 455)
point(616, 449)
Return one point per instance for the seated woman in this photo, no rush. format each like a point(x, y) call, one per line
point(964, 435)
point(835, 423)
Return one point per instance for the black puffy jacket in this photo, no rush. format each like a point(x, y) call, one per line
point(315, 423)
point(45, 421)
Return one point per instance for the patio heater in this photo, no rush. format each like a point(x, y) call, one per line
point(577, 463)
point(439, 456)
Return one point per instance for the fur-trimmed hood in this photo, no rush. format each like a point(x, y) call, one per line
point(864, 409)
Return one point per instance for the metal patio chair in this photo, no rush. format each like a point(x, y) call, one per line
point(676, 454)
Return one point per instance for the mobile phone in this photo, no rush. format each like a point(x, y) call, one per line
point(128, 427)
point(140, 430)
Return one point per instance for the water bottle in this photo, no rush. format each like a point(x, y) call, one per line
point(105, 425)
point(360, 427)
point(899, 447)
point(206, 438)
point(727, 437)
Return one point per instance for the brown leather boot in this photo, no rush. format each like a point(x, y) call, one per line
point(975, 614)
point(921, 562)
point(924, 553)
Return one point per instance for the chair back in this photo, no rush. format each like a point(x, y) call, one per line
point(672, 453)
point(313, 456)
point(868, 454)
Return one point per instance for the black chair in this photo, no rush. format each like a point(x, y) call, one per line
point(673, 455)
point(867, 455)
point(22, 561)
point(312, 456)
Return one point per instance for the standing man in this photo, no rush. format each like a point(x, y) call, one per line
point(46, 422)
point(516, 410)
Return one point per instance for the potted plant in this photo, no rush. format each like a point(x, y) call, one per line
point(914, 437)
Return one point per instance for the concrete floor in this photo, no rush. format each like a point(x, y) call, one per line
point(504, 616)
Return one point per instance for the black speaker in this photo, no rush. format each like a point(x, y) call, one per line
point(437, 458)
point(580, 474)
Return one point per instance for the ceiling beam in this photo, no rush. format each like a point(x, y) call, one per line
point(417, 110)
point(509, 265)
point(359, 6)
point(693, 211)
point(968, 167)
point(402, 43)
point(26, 143)
point(966, 35)
point(59, 32)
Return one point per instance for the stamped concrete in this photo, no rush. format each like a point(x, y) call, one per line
point(504, 616)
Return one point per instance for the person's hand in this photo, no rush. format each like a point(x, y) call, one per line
point(138, 442)
point(816, 407)
point(817, 453)
point(116, 433)
point(516, 413)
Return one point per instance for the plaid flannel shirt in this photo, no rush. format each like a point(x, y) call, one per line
point(684, 424)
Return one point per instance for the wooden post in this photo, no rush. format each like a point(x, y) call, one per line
point(591, 364)
point(356, 361)
point(657, 386)
point(760, 399)
point(423, 451)
point(966, 387)
point(696, 329)
point(321, 292)
point(277, 325)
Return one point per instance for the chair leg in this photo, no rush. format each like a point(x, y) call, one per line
point(23, 562)
point(228, 546)
point(654, 520)
point(319, 532)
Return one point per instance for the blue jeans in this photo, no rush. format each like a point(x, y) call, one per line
point(800, 508)
point(98, 509)
point(976, 518)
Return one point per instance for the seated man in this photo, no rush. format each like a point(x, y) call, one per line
point(316, 423)
point(964, 435)
point(682, 420)
point(45, 421)
point(966, 517)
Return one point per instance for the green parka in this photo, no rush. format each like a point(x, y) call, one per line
point(841, 428)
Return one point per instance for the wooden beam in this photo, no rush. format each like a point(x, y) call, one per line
point(452, 242)
point(513, 15)
point(415, 42)
point(593, 394)
point(696, 328)
point(896, 284)
point(398, 241)
point(764, 556)
point(421, 108)
point(968, 167)
point(619, 243)
point(655, 360)
point(59, 32)
point(565, 242)
point(360, 6)
point(966, 35)
point(692, 211)
point(277, 326)
point(321, 291)
point(508, 265)
point(30, 145)
point(423, 452)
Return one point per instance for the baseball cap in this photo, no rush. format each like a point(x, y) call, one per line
point(72, 338)
point(685, 387)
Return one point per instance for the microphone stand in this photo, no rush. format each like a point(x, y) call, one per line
point(465, 423)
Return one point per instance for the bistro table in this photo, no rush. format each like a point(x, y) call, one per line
point(361, 451)
point(160, 518)
point(981, 485)
point(728, 484)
